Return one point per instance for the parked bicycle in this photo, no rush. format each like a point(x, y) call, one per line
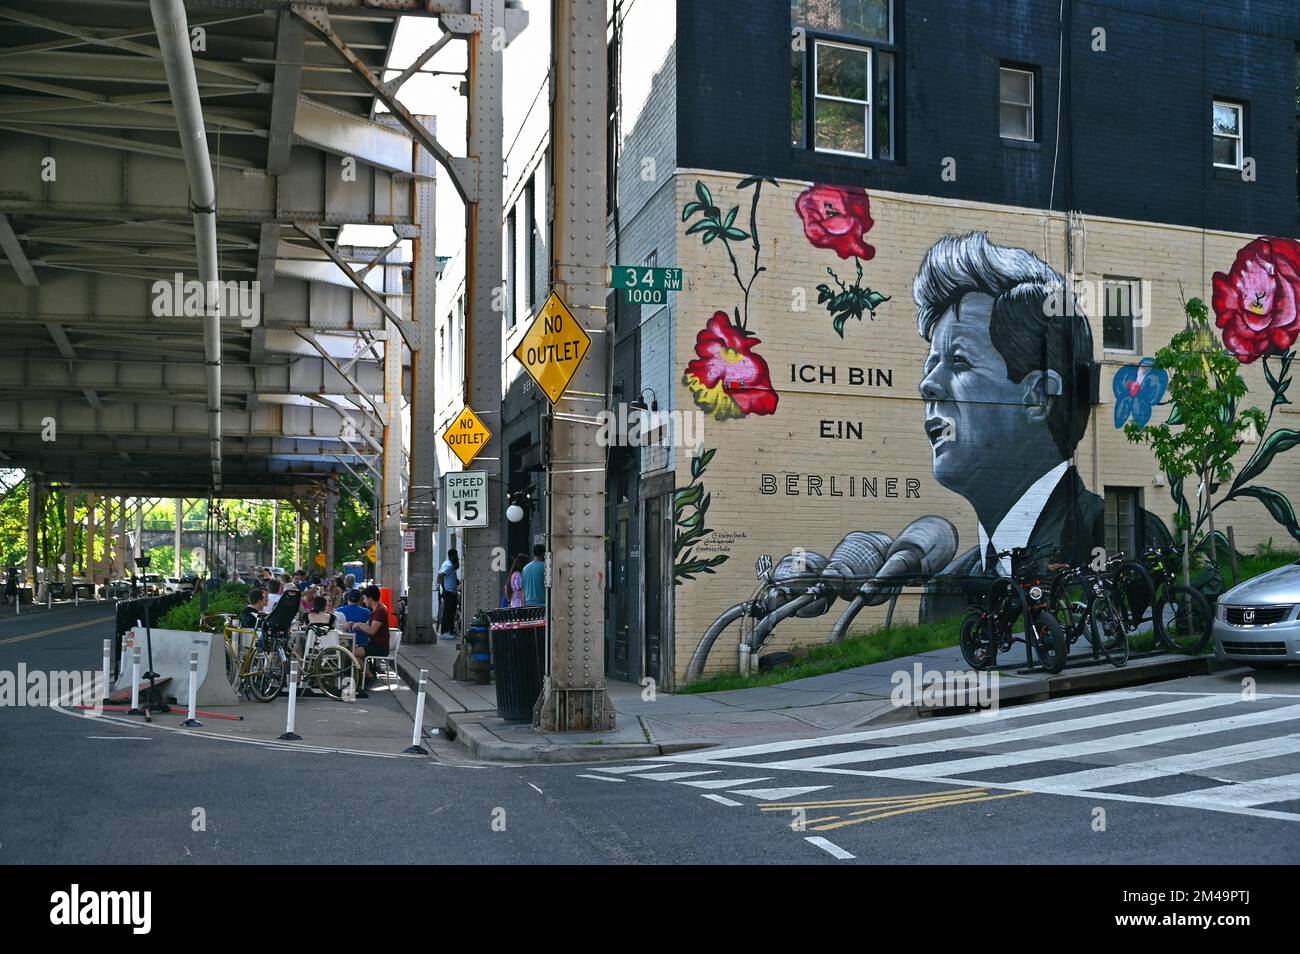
point(987, 628)
point(1182, 617)
point(1104, 604)
point(253, 667)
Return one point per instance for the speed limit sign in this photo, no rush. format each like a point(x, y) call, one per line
point(465, 499)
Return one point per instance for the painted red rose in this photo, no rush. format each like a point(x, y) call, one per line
point(1256, 302)
point(727, 379)
point(838, 218)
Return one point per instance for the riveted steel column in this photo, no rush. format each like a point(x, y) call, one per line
point(389, 504)
point(176, 537)
point(34, 491)
point(424, 434)
point(69, 534)
point(574, 696)
point(483, 357)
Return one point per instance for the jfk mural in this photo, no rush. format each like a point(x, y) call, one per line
point(1005, 393)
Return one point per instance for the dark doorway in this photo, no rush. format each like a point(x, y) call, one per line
point(653, 557)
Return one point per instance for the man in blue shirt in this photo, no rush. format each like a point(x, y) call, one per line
point(449, 594)
point(535, 578)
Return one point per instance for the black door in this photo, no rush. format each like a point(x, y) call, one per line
point(653, 556)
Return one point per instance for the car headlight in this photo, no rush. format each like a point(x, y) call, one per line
point(1220, 611)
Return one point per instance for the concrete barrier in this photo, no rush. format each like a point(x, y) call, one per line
point(171, 658)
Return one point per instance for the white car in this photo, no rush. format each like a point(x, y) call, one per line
point(1257, 622)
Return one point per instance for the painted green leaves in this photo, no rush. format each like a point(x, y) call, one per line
point(713, 224)
point(690, 508)
point(851, 301)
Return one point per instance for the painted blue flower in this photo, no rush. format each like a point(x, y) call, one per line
point(1138, 387)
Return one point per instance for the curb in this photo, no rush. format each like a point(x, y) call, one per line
point(482, 743)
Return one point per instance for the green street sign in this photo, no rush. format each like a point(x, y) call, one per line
point(645, 278)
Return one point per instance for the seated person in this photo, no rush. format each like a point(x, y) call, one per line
point(375, 630)
point(272, 594)
point(255, 608)
point(319, 615)
point(353, 612)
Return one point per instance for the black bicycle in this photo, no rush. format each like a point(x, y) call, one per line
point(987, 628)
point(1101, 604)
point(1181, 615)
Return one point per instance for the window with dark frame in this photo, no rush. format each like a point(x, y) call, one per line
point(1118, 328)
point(1228, 126)
point(510, 284)
point(530, 248)
point(1122, 504)
point(1016, 119)
point(842, 78)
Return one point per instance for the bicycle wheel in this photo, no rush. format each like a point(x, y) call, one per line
point(1133, 593)
point(976, 642)
point(232, 667)
point(334, 666)
point(1066, 599)
point(1049, 642)
point(266, 675)
point(1183, 619)
point(1108, 630)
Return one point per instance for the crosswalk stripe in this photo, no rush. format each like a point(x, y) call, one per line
point(957, 768)
point(1184, 763)
point(915, 728)
point(1009, 735)
point(729, 802)
point(776, 794)
point(1280, 788)
point(726, 782)
point(643, 767)
point(829, 847)
point(603, 778)
point(673, 776)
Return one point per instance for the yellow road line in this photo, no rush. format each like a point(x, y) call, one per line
point(51, 632)
point(881, 800)
point(917, 808)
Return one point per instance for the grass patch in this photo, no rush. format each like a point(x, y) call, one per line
point(1251, 566)
point(861, 649)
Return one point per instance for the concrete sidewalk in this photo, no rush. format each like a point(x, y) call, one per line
point(648, 726)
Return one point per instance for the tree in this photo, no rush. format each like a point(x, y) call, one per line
point(1205, 429)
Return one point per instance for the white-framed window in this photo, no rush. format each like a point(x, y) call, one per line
point(1229, 130)
point(1016, 103)
point(842, 77)
point(842, 98)
point(1120, 305)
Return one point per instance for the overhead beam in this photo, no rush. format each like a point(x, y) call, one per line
point(290, 46)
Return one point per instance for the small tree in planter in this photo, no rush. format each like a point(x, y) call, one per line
point(1205, 429)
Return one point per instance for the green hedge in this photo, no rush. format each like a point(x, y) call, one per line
point(230, 598)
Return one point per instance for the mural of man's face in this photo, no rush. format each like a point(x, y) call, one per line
point(977, 420)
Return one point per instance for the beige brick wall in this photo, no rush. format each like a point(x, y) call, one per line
point(1178, 261)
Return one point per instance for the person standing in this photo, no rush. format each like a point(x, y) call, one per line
point(449, 594)
point(515, 582)
point(534, 578)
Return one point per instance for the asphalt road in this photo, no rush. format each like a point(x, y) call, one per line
point(79, 790)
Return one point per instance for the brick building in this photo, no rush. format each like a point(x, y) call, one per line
point(821, 170)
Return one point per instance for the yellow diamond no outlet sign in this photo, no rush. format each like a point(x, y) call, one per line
point(553, 349)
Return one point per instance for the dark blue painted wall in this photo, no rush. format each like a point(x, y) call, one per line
point(1135, 127)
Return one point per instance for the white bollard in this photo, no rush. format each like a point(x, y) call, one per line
point(289, 734)
point(415, 748)
point(135, 682)
point(191, 722)
point(108, 671)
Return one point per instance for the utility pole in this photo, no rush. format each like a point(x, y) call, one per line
point(483, 358)
point(423, 484)
point(574, 697)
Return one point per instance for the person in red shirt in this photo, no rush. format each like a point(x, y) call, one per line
point(376, 630)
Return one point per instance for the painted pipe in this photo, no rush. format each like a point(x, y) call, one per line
point(190, 721)
point(174, 43)
point(415, 748)
point(289, 734)
point(108, 662)
point(135, 682)
point(701, 655)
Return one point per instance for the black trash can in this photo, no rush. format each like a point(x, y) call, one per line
point(519, 657)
